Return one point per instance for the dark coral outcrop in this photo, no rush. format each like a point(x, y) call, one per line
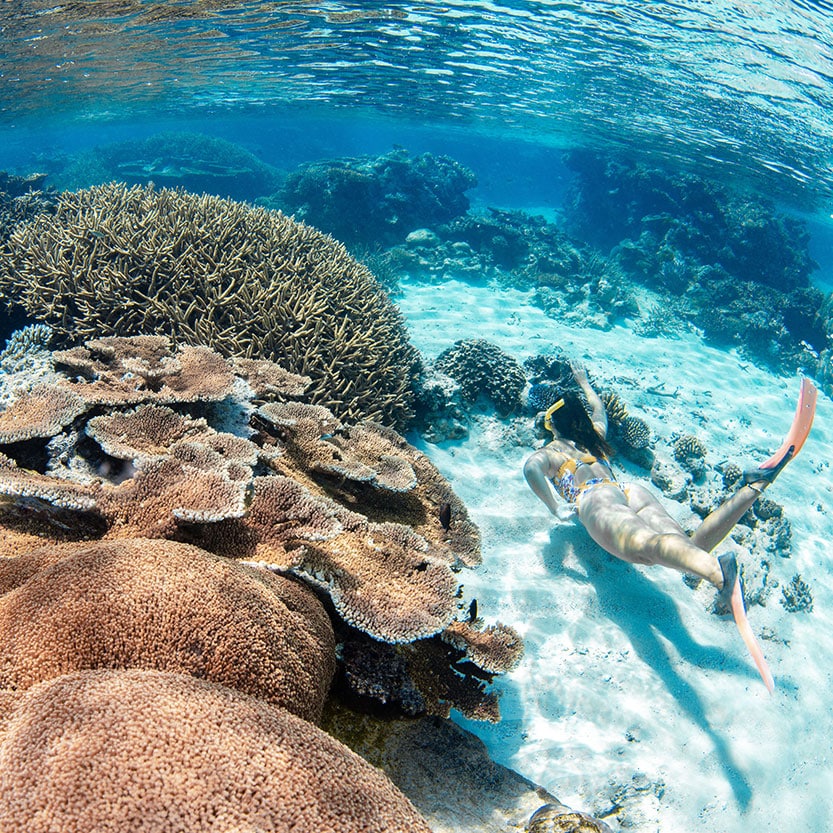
point(377, 200)
point(484, 371)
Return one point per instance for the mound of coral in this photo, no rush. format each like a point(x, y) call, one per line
point(165, 753)
point(174, 159)
point(244, 281)
point(483, 370)
point(132, 438)
point(177, 609)
point(377, 200)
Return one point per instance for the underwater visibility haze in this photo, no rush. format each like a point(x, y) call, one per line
point(288, 288)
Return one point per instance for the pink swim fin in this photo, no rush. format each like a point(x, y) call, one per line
point(739, 612)
point(800, 428)
point(802, 422)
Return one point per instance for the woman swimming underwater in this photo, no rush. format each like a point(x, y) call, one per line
point(628, 521)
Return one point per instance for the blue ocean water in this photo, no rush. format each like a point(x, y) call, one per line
point(736, 93)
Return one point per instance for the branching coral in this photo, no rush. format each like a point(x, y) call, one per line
point(208, 271)
point(796, 596)
point(483, 369)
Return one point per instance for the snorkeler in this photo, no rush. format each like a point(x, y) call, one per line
point(627, 520)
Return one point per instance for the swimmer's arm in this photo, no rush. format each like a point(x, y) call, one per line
point(535, 472)
point(598, 412)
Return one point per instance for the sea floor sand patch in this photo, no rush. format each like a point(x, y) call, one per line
point(632, 694)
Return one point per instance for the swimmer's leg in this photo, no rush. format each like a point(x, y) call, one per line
point(616, 527)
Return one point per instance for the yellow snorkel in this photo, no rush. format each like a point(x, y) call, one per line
point(548, 415)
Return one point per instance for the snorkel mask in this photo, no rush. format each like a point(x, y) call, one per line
point(548, 415)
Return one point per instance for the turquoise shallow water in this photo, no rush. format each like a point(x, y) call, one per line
point(736, 93)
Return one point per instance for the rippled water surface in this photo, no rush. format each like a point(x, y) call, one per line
point(744, 83)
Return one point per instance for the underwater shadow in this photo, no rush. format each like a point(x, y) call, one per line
point(627, 598)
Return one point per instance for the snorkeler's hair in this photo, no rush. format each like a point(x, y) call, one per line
point(572, 422)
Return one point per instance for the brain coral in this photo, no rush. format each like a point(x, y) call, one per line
point(483, 369)
point(245, 281)
point(163, 605)
point(113, 751)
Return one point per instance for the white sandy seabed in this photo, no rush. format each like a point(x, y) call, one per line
point(631, 692)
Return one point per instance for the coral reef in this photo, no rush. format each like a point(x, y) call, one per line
point(97, 750)
point(177, 609)
point(796, 596)
point(728, 263)
point(482, 369)
point(353, 510)
point(615, 408)
point(246, 282)
point(192, 161)
point(377, 200)
point(614, 198)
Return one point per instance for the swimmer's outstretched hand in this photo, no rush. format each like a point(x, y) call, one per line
point(579, 371)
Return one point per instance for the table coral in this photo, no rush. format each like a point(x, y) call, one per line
point(353, 510)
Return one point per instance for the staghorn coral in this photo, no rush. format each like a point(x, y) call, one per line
point(21, 199)
point(731, 474)
point(208, 271)
point(99, 750)
point(484, 370)
point(635, 433)
point(177, 609)
point(614, 406)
